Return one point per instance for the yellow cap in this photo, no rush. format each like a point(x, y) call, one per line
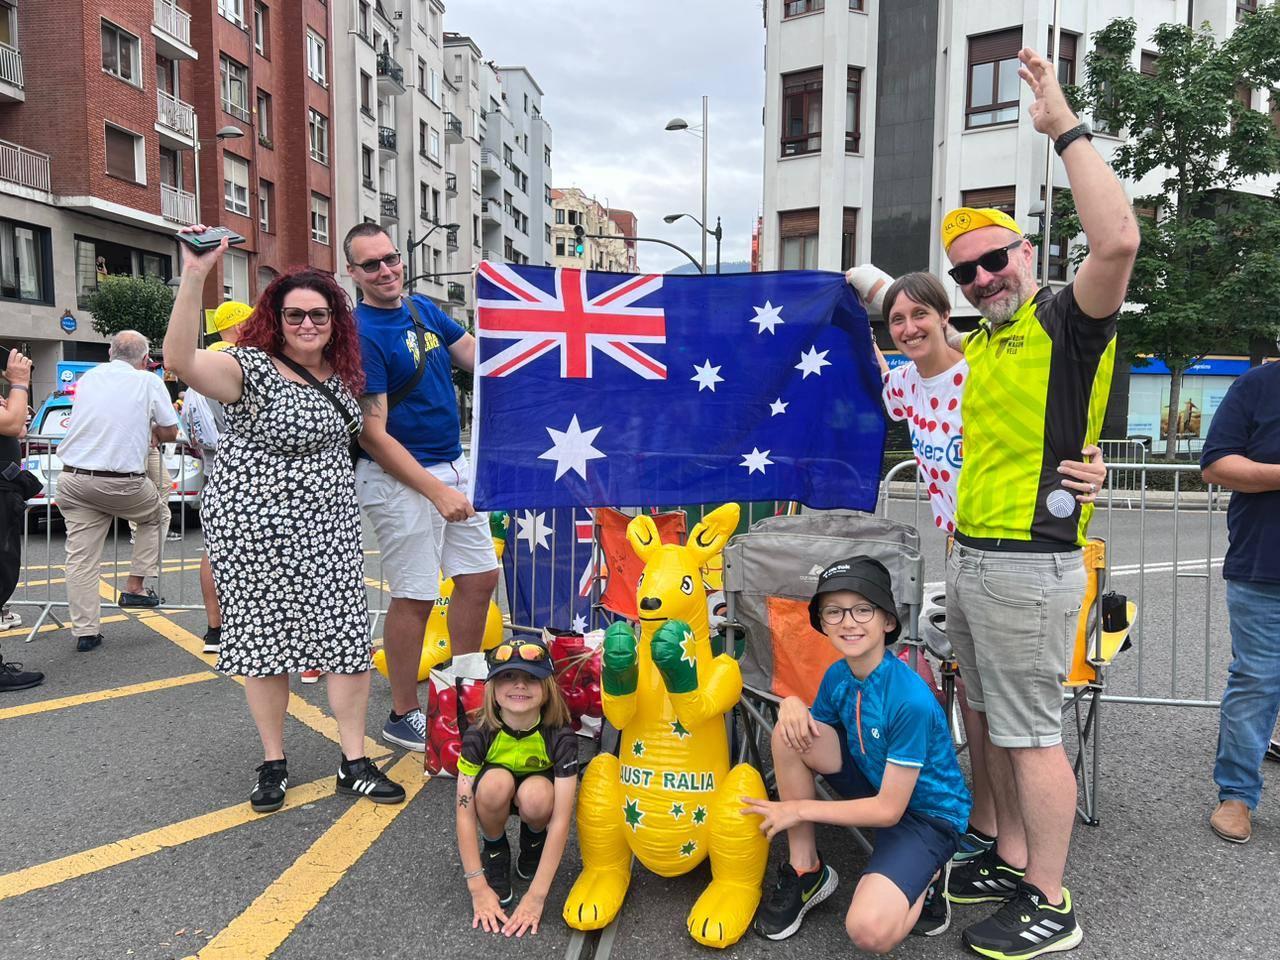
point(963, 219)
point(229, 314)
point(221, 345)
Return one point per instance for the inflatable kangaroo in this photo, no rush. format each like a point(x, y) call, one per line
point(670, 797)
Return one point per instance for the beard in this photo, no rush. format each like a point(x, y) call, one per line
point(1020, 290)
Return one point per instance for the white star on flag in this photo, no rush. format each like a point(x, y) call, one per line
point(533, 528)
point(755, 460)
point(767, 317)
point(778, 407)
point(571, 449)
point(579, 624)
point(811, 361)
point(707, 376)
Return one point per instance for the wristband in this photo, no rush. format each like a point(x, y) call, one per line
point(472, 874)
point(20, 386)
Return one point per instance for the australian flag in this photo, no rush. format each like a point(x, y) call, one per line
point(552, 567)
point(606, 389)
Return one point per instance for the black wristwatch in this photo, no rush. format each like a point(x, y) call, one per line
point(1071, 136)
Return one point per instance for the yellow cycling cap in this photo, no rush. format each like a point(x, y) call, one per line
point(963, 219)
point(228, 315)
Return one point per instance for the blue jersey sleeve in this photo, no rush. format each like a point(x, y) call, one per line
point(825, 709)
point(446, 328)
point(1232, 424)
point(909, 727)
point(374, 362)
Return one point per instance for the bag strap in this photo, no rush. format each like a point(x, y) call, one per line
point(418, 328)
point(353, 425)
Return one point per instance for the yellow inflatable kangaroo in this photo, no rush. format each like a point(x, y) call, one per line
point(670, 798)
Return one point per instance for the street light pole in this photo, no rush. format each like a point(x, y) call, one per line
point(413, 246)
point(718, 233)
point(704, 186)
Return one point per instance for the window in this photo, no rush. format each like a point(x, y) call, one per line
point(261, 25)
point(1147, 63)
point(433, 85)
point(366, 94)
point(849, 239)
point(1067, 60)
point(424, 201)
point(125, 158)
point(475, 176)
point(8, 24)
point(422, 137)
point(802, 113)
point(318, 133)
point(422, 75)
point(546, 156)
point(25, 272)
point(853, 111)
point(858, 6)
point(235, 88)
point(362, 19)
point(475, 229)
point(1274, 100)
point(232, 10)
point(993, 78)
point(266, 201)
point(796, 8)
point(798, 232)
point(998, 198)
point(264, 118)
point(316, 58)
point(559, 214)
point(170, 167)
point(235, 183)
point(120, 54)
point(235, 276)
point(319, 218)
point(1244, 8)
point(435, 205)
point(559, 246)
point(366, 168)
point(433, 144)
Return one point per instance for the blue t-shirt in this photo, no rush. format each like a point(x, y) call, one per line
point(426, 421)
point(1248, 424)
point(893, 717)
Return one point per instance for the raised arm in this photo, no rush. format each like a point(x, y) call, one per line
point(13, 416)
point(216, 375)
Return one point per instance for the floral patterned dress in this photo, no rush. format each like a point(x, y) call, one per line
point(282, 528)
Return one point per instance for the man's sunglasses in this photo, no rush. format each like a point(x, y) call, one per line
point(993, 261)
point(520, 649)
point(373, 266)
point(294, 316)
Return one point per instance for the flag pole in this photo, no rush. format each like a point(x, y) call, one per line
point(1045, 243)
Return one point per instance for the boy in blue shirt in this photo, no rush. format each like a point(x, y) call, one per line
point(879, 738)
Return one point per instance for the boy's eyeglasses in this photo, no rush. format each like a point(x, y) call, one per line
point(520, 649)
point(294, 316)
point(993, 261)
point(833, 615)
point(374, 265)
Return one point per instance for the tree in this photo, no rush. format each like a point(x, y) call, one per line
point(131, 303)
point(1207, 276)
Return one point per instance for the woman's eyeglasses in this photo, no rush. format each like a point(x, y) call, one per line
point(294, 316)
point(993, 261)
point(374, 265)
point(520, 649)
point(833, 615)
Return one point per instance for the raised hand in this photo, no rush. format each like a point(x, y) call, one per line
point(619, 672)
point(672, 648)
point(1050, 113)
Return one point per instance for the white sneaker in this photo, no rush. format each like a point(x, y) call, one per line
point(9, 621)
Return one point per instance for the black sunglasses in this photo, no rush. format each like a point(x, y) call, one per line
point(374, 265)
point(993, 261)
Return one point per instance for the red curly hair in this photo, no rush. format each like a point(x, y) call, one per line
point(263, 328)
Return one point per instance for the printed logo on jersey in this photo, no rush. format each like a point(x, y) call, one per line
point(1010, 345)
point(955, 452)
point(411, 341)
point(1061, 504)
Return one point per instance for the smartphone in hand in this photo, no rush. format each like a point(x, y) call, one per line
point(209, 239)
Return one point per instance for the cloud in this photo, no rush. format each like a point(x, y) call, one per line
point(613, 74)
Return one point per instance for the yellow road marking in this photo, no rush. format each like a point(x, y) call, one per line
point(44, 706)
point(132, 848)
point(267, 922)
point(298, 708)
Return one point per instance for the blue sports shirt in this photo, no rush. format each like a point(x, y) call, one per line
point(893, 717)
point(426, 421)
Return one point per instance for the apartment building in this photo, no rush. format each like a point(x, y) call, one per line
point(467, 76)
point(572, 208)
point(867, 148)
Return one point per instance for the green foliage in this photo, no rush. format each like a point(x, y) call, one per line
point(131, 303)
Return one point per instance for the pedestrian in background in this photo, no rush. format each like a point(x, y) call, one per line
point(120, 411)
point(1242, 453)
point(281, 520)
point(13, 499)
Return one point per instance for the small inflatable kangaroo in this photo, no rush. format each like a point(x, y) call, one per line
point(670, 797)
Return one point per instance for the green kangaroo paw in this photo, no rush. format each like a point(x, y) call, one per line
point(672, 649)
point(618, 672)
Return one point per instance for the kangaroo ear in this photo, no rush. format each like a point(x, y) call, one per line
point(709, 537)
point(643, 534)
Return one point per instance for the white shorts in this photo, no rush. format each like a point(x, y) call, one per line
point(418, 546)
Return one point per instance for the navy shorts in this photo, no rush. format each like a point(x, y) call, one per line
point(911, 851)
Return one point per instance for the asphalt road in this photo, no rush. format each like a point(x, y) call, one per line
point(84, 872)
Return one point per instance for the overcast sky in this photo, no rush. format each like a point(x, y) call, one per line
point(613, 74)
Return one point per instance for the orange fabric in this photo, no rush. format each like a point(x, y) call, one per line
point(620, 559)
point(800, 654)
point(1095, 560)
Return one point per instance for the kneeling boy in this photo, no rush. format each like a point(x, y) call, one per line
point(878, 736)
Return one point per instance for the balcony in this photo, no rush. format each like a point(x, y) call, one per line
point(11, 75)
point(387, 141)
point(491, 211)
point(24, 167)
point(490, 165)
point(450, 184)
point(175, 121)
point(171, 26)
point(495, 256)
point(390, 75)
point(389, 208)
point(177, 205)
point(452, 128)
point(457, 293)
point(451, 240)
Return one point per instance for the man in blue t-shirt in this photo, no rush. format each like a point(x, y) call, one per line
point(1242, 452)
point(878, 737)
point(412, 476)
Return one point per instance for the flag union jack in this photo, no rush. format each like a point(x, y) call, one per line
point(569, 321)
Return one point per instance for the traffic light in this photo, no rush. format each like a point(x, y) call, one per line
point(579, 244)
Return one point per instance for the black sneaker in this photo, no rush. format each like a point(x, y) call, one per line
point(1026, 927)
point(1273, 751)
point(530, 851)
point(972, 844)
point(13, 677)
point(85, 644)
point(793, 896)
point(212, 640)
point(148, 598)
point(935, 915)
point(273, 781)
point(497, 869)
point(361, 778)
point(984, 879)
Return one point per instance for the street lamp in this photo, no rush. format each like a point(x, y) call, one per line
point(717, 232)
point(700, 132)
point(229, 132)
point(414, 244)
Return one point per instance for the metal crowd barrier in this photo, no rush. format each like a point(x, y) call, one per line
point(1125, 459)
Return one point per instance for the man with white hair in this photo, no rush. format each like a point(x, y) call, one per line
point(120, 410)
